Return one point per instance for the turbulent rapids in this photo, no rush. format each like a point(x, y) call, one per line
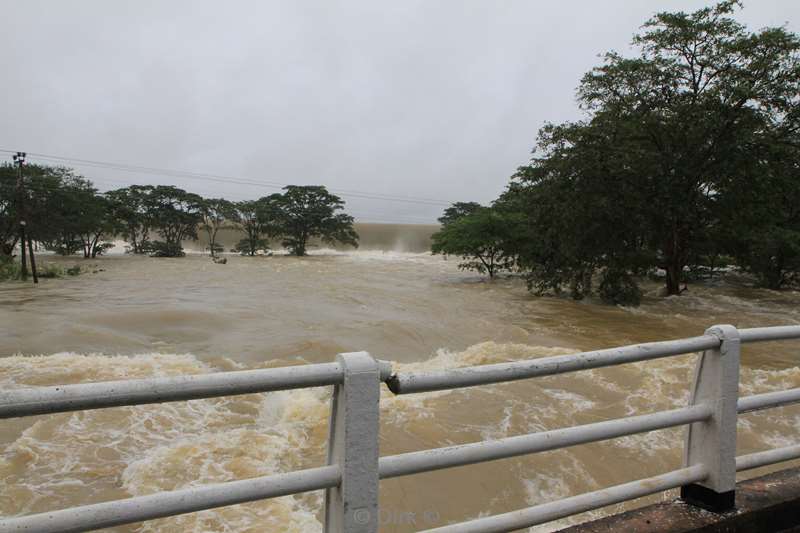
point(137, 317)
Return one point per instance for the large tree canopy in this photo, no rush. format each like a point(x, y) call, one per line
point(641, 182)
point(307, 212)
point(176, 215)
point(66, 213)
point(214, 213)
point(259, 220)
point(480, 236)
point(62, 210)
point(131, 210)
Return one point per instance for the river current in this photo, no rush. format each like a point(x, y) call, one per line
point(130, 317)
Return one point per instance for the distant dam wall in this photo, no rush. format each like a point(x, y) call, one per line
point(410, 238)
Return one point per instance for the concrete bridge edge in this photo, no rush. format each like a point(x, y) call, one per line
point(769, 503)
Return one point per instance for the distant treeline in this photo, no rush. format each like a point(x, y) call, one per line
point(688, 156)
point(65, 213)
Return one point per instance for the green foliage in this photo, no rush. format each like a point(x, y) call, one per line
point(258, 221)
point(649, 178)
point(176, 215)
point(215, 212)
point(8, 228)
point(50, 271)
point(166, 249)
point(458, 210)
point(619, 288)
point(251, 246)
point(763, 219)
point(11, 271)
point(480, 238)
point(63, 211)
point(306, 212)
point(134, 220)
point(67, 214)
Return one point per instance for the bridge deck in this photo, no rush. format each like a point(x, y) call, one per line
point(769, 503)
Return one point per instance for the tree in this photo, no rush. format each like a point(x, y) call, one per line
point(98, 223)
point(480, 238)
point(175, 214)
point(581, 208)
point(61, 208)
point(214, 213)
point(667, 132)
point(458, 210)
point(258, 221)
point(84, 217)
point(762, 222)
point(307, 212)
point(130, 209)
point(9, 232)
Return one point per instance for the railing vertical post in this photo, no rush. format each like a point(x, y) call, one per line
point(352, 507)
point(712, 443)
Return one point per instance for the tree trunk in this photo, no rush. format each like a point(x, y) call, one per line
point(673, 279)
point(775, 275)
point(300, 249)
point(94, 245)
point(674, 264)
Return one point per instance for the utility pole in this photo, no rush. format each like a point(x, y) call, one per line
point(19, 160)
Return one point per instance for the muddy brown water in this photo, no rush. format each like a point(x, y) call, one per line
point(132, 317)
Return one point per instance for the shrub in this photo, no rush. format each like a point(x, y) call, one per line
point(166, 249)
point(619, 288)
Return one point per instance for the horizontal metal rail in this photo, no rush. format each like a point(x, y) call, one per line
point(63, 398)
point(774, 333)
point(408, 383)
point(54, 399)
point(161, 504)
point(768, 457)
point(547, 512)
point(767, 400)
point(477, 452)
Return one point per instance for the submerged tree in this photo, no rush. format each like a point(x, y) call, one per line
point(176, 215)
point(308, 212)
point(762, 222)
point(481, 238)
point(215, 212)
point(257, 219)
point(97, 222)
point(130, 208)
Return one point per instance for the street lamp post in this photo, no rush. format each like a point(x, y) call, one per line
point(19, 160)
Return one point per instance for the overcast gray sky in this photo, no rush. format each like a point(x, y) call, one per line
point(437, 100)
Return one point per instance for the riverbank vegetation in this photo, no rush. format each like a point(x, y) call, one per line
point(66, 214)
point(12, 271)
point(688, 152)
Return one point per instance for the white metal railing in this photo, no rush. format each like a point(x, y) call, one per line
point(354, 468)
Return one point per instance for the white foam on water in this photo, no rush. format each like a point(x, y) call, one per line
point(68, 459)
point(132, 451)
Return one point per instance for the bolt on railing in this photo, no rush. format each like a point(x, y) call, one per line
point(351, 477)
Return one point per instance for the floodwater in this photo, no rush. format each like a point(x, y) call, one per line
point(129, 317)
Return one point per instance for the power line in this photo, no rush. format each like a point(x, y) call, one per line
point(367, 216)
point(111, 183)
point(226, 179)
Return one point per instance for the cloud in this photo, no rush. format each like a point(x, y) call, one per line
point(436, 100)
